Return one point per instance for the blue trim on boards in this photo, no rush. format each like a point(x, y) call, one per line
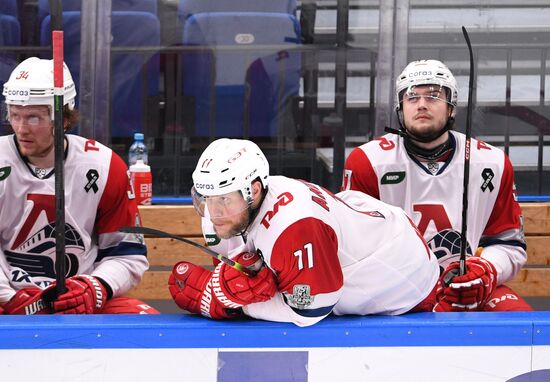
point(187, 199)
point(189, 331)
point(534, 198)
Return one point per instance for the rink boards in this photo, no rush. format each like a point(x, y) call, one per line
point(425, 347)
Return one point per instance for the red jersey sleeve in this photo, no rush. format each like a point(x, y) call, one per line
point(506, 211)
point(359, 174)
point(306, 254)
point(117, 207)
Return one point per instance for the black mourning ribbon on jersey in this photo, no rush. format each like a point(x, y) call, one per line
point(92, 176)
point(487, 175)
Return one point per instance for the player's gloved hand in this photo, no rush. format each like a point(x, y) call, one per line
point(85, 295)
point(234, 289)
point(27, 301)
point(470, 291)
point(191, 288)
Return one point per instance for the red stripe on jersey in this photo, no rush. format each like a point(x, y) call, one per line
point(306, 253)
point(115, 209)
point(506, 211)
point(361, 175)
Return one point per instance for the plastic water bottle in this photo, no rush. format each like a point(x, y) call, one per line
point(142, 181)
point(138, 150)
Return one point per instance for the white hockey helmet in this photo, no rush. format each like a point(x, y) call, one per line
point(228, 165)
point(426, 72)
point(31, 83)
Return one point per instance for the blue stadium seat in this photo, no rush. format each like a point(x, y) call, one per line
point(10, 35)
point(127, 77)
point(187, 8)
point(149, 6)
point(8, 8)
point(227, 70)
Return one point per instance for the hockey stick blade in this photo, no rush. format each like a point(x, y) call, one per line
point(156, 232)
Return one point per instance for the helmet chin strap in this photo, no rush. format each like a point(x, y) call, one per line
point(410, 139)
point(406, 134)
point(252, 213)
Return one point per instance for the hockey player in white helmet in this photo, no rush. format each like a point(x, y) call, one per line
point(315, 253)
point(102, 263)
point(420, 168)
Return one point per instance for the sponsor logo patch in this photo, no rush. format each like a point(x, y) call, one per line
point(393, 177)
point(5, 172)
point(212, 239)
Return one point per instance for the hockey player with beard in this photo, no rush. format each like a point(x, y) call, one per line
point(315, 253)
point(102, 264)
point(420, 168)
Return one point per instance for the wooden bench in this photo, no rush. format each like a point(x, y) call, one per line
point(532, 281)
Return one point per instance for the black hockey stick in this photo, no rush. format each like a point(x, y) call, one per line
point(464, 230)
point(222, 258)
point(59, 147)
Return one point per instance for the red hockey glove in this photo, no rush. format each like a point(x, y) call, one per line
point(85, 295)
point(191, 289)
point(27, 301)
point(470, 291)
point(234, 289)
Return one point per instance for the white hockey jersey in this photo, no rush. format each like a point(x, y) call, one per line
point(433, 199)
point(347, 253)
point(98, 201)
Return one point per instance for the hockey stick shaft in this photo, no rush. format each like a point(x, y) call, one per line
point(59, 148)
point(156, 232)
point(467, 148)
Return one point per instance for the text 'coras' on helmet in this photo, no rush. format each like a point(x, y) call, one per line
point(31, 83)
point(426, 72)
point(228, 165)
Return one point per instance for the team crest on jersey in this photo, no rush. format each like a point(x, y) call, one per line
point(34, 257)
point(393, 177)
point(301, 296)
point(446, 247)
point(433, 167)
point(487, 174)
point(5, 172)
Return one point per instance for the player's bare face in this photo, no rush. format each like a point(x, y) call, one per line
point(33, 128)
point(228, 213)
point(425, 110)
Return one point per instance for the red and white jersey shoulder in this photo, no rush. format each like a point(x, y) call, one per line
point(433, 199)
point(98, 201)
point(346, 253)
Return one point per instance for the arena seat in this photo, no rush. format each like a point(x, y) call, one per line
point(187, 8)
point(149, 6)
point(9, 8)
point(129, 88)
point(235, 45)
point(10, 35)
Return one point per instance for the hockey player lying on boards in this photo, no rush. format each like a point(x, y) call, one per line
point(315, 253)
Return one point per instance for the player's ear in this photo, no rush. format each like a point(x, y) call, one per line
point(256, 188)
